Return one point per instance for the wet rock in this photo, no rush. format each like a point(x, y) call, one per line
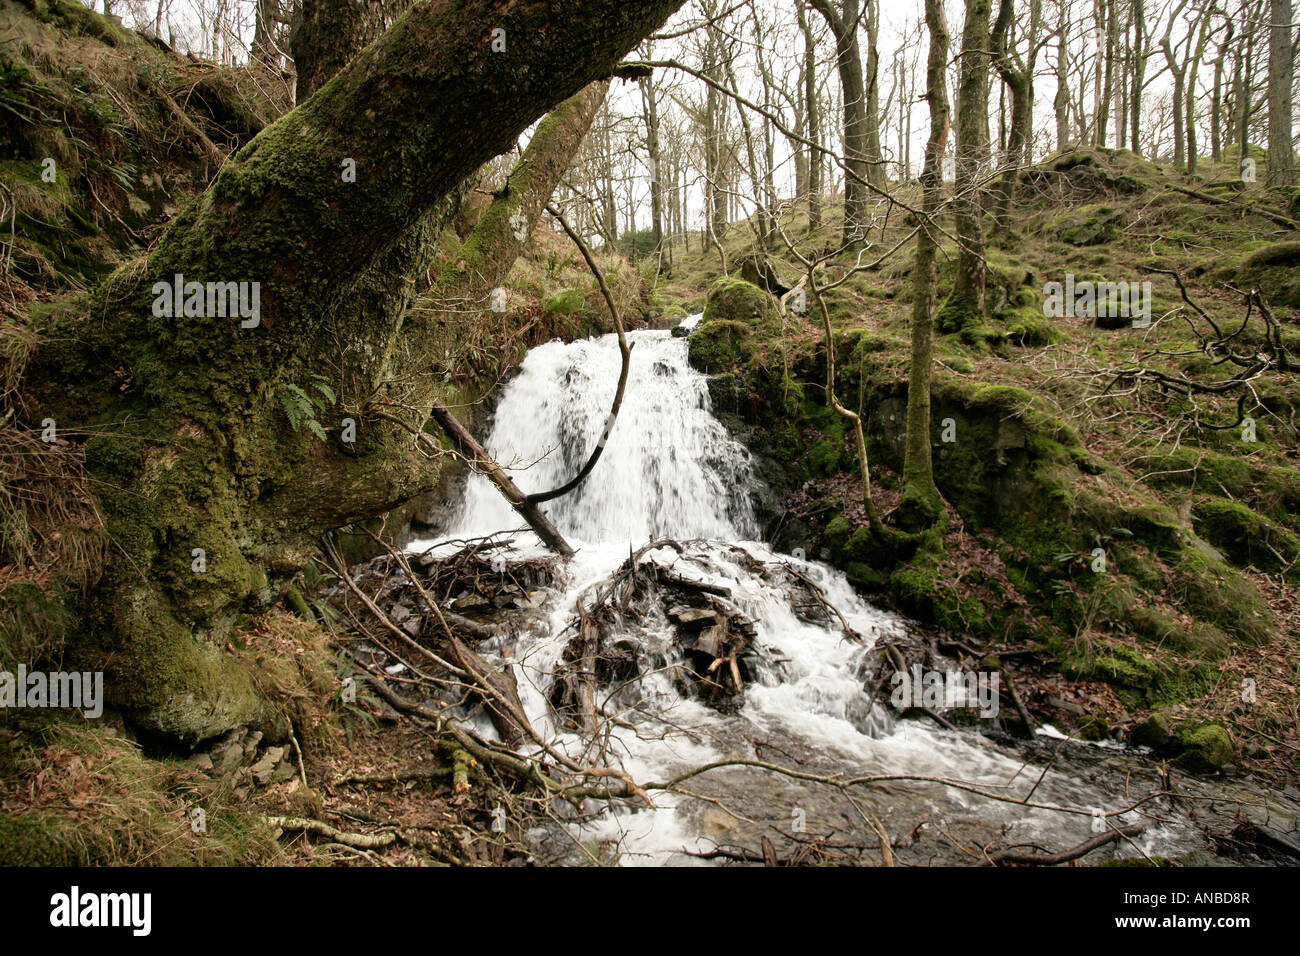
point(470, 602)
point(692, 618)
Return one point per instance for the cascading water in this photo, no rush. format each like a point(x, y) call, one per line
point(670, 470)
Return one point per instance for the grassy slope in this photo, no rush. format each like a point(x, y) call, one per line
point(1199, 527)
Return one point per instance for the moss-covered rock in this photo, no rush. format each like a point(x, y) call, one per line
point(720, 345)
point(1275, 270)
point(736, 300)
point(1244, 536)
point(1205, 749)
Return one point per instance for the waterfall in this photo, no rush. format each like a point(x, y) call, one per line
point(671, 470)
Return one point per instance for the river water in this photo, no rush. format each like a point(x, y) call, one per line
point(670, 470)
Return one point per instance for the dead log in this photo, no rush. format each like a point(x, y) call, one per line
point(478, 456)
point(499, 693)
point(579, 675)
point(1256, 209)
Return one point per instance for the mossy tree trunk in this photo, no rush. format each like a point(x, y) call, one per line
point(203, 439)
point(328, 34)
point(920, 505)
point(843, 23)
point(966, 304)
point(1018, 75)
point(1281, 75)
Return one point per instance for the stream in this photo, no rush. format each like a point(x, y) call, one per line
point(671, 470)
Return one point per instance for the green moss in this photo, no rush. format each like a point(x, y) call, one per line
point(1275, 271)
point(736, 300)
point(823, 459)
point(1199, 640)
point(1245, 537)
point(720, 345)
point(1206, 749)
point(1211, 590)
point(1090, 226)
point(837, 532)
point(1029, 328)
point(35, 624)
point(35, 840)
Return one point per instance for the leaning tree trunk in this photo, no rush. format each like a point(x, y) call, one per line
point(205, 441)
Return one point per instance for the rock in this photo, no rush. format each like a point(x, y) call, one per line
point(228, 752)
point(470, 602)
point(1069, 706)
point(264, 769)
point(711, 640)
point(1207, 749)
point(1154, 732)
point(692, 618)
point(202, 762)
point(680, 331)
point(738, 300)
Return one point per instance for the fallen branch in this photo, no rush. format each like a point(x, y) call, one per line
point(1215, 200)
point(1053, 859)
point(478, 456)
point(359, 841)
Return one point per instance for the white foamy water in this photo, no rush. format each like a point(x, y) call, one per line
point(671, 470)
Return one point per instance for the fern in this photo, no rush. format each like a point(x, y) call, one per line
point(297, 406)
point(300, 407)
point(320, 385)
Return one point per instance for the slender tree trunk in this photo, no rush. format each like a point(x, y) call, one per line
point(843, 25)
point(1217, 111)
point(871, 82)
point(1061, 103)
point(1281, 65)
point(650, 109)
point(1019, 79)
point(812, 109)
point(965, 308)
point(1138, 76)
point(920, 504)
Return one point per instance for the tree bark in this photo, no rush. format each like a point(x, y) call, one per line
point(965, 307)
point(1137, 77)
point(194, 448)
point(920, 505)
point(843, 26)
point(813, 110)
point(328, 34)
point(1019, 79)
point(1281, 65)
